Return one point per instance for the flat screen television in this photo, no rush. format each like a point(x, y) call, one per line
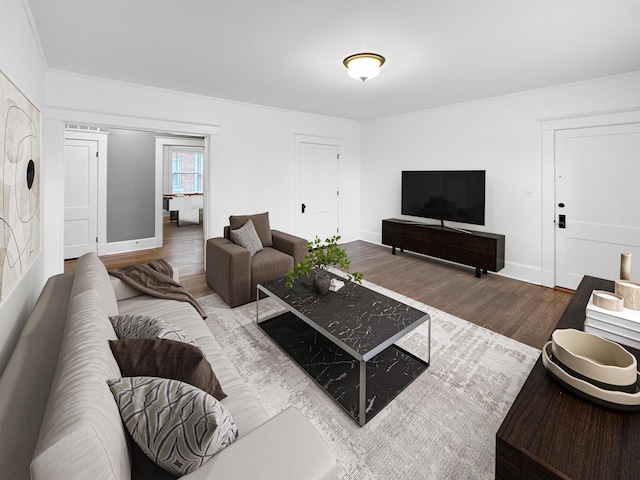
point(453, 195)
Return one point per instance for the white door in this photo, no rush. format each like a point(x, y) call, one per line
point(317, 199)
point(597, 202)
point(80, 197)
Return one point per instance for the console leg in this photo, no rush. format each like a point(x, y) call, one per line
point(393, 250)
point(478, 274)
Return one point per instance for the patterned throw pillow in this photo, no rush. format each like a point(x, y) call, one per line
point(175, 424)
point(247, 237)
point(143, 326)
point(260, 223)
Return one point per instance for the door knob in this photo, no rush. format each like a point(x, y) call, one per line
point(303, 207)
point(562, 221)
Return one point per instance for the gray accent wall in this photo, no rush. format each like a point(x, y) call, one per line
point(130, 185)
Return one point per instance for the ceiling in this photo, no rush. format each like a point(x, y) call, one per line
point(288, 53)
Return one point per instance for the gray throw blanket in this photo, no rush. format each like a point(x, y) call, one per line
point(156, 279)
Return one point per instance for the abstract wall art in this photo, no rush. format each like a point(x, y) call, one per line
point(19, 184)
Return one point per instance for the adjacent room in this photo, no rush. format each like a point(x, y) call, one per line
point(359, 240)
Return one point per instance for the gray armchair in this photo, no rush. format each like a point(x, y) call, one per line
point(231, 270)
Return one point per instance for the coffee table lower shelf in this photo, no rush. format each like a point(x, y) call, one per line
point(338, 373)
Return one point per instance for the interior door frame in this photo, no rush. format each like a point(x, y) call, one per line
point(55, 120)
point(298, 140)
point(549, 128)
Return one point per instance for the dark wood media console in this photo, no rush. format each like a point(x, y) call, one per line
point(550, 433)
point(484, 251)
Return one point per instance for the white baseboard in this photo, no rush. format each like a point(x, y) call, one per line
point(129, 245)
point(349, 237)
point(371, 237)
point(524, 273)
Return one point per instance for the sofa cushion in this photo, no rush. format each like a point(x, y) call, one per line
point(143, 326)
point(159, 357)
point(176, 424)
point(246, 237)
point(260, 222)
point(246, 409)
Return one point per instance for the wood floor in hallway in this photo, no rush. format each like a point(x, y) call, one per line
point(525, 312)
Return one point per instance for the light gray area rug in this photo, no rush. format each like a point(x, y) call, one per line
point(442, 426)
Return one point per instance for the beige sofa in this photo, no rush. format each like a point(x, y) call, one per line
point(60, 421)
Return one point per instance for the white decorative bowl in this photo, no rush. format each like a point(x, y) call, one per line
point(594, 357)
point(614, 399)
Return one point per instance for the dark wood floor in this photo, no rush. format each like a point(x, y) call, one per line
point(183, 247)
point(523, 311)
point(519, 310)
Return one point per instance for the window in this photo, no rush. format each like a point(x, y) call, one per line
point(186, 171)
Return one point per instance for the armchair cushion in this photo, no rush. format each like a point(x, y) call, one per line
point(246, 237)
point(267, 265)
point(260, 222)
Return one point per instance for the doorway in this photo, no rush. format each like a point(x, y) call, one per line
point(182, 178)
point(55, 124)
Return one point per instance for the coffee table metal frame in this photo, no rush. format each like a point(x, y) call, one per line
point(361, 357)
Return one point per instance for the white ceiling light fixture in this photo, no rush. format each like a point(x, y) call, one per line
point(363, 66)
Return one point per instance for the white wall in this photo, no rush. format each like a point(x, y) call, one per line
point(21, 62)
point(254, 158)
point(500, 135)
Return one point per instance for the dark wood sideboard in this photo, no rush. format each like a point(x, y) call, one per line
point(484, 251)
point(550, 433)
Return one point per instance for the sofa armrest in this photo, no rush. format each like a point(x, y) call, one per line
point(229, 271)
point(26, 380)
point(297, 247)
point(284, 447)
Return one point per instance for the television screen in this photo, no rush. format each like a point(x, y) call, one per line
point(457, 196)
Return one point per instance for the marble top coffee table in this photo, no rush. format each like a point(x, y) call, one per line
point(345, 341)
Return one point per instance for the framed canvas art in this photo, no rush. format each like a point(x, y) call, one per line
point(19, 184)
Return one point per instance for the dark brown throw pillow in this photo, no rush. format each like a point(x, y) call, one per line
point(160, 357)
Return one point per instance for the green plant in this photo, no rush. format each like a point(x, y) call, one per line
point(321, 256)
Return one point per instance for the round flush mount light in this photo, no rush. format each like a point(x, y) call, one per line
point(363, 66)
